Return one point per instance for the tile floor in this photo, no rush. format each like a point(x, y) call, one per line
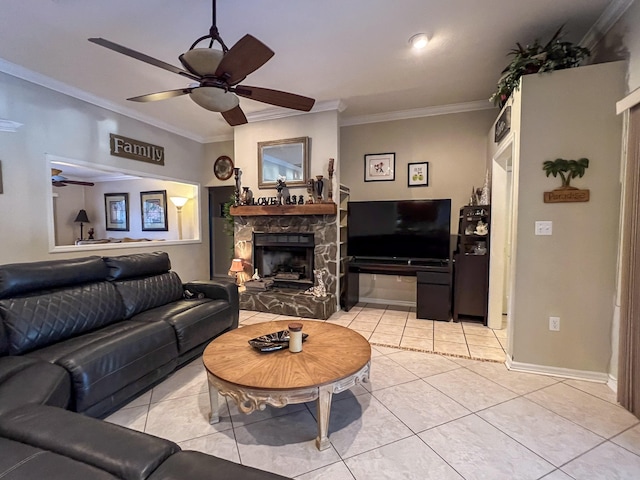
point(421, 416)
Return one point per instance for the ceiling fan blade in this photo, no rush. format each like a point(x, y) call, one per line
point(152, 97)
point(275, 97)
point(76, 182)
point(235, 116)
point(142, 57)
point(58, 184)
point(245, 57)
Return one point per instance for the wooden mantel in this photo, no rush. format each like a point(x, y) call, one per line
point(306, 209)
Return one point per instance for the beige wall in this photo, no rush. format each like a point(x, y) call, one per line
point(455, 146)
point(64, 126)
point(571, 274)
point(211, 152)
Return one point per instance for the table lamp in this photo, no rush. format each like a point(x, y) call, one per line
point(237, 268)
point(82, 218)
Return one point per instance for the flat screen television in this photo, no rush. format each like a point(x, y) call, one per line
point(400, 230)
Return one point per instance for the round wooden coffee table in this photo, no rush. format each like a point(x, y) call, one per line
point(333, 359)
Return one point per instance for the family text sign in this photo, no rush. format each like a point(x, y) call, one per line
point(135, 149)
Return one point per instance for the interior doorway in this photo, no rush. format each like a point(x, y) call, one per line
point(220, 241)
point(501, 238)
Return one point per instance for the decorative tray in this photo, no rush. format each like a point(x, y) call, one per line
point(273, 341)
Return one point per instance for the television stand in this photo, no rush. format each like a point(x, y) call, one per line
point(433, 295)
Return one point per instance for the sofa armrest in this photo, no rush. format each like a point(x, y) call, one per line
point(125, 453)
point(218, 290)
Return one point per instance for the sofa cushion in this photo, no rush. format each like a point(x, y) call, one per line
point(22, 278)
point(142, 294)
point(124, 453)
point(194, 321)
point(105, 361)
point(137, 265)
point(26, 381)
point(44, 318)
point(199, 466)
point(21, 462)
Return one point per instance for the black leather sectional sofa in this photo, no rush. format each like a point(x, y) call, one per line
point(84, 336)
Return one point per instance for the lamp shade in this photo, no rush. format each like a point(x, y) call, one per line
point(82, 217)
point(236, 265)
point(179, 201)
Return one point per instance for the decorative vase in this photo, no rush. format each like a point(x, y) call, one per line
point(246, 196)
point(319, 186)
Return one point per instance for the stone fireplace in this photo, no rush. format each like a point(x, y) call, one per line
point(289, 245)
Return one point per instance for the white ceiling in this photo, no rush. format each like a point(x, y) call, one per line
point(355, 51)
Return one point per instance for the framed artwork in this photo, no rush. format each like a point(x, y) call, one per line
point(153, 206)
point(379, 167)
point(418, 174)
point(116, 210)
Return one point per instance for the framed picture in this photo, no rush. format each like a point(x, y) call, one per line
point(379, 167)
point(418, 175)
point(153, 206)
point(116, 210)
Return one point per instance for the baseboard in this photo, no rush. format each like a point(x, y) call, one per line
point(588, 376)
point(612, 383)
point(379, 301)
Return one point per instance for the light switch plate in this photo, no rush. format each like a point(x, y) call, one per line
point(544, 227)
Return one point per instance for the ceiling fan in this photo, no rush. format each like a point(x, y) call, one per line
point(218, 73)
point(58, 180)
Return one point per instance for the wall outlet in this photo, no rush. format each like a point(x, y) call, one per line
point(554, 324)
point(544, 228)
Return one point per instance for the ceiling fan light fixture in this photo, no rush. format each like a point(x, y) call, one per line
point(214, 99)
point(419, 41)
point(202, 61)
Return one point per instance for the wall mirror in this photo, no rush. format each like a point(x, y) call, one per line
point(287, 158)
point(78, 186)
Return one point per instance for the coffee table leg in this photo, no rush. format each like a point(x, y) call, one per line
point(213, 400)
point(323, 404)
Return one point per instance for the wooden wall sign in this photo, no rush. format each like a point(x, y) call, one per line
point(135, 149)
point(503, 125)
point(566, 195)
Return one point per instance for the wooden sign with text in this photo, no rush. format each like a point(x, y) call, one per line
point(566, 195)
point(135, 149)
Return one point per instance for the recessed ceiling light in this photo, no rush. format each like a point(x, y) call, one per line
point(419, 40)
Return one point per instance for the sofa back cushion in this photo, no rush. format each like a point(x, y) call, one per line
point(39, 319)
point(144, 280)
point(140, 294)
point(23, 279)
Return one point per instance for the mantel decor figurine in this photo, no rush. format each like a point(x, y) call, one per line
point(567, 170)
point(319, 188)
point(280, 185)
point(330, 190)
point(236, 193)
point(310, 189)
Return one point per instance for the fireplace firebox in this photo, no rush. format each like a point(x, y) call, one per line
point(285, 258)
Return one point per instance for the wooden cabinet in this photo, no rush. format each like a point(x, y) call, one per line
point(471, 264)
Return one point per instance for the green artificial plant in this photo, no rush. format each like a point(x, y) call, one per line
point(537, 58)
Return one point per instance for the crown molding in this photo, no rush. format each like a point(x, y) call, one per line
point(219, 138)
point(275, 113)
point(9, 125)
point(418, 113)
point(603, 24)
point(48, 82)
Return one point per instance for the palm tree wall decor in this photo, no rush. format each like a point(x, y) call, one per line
point(567, 170)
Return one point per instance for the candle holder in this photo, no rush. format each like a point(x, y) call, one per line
point(236, 193)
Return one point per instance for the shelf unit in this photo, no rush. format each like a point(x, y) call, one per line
point(471, 263)
point(342, 244)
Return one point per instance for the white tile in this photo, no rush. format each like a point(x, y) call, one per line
point(393, 320)
point(520, 383)
point(478, 450)
point(222, 445)
point(549, 435)
point(487, 353)
point(386, 339)
point(389, 329)
point(418, 332)
point(597, 415)
point(425, 344)
point(361, 423)
point(143, 399)
point(284, 445)
point(189, 380)
point(384, 350)
point(419, 405)
point(470, 389)
point(423, 364)
point(386, 373)
point(335, 471)
point(605, 462)
point(600, 390)
point(629, 439)
point(408, 459)
point(557, 475)
point(131, 417)
point(189, 418)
